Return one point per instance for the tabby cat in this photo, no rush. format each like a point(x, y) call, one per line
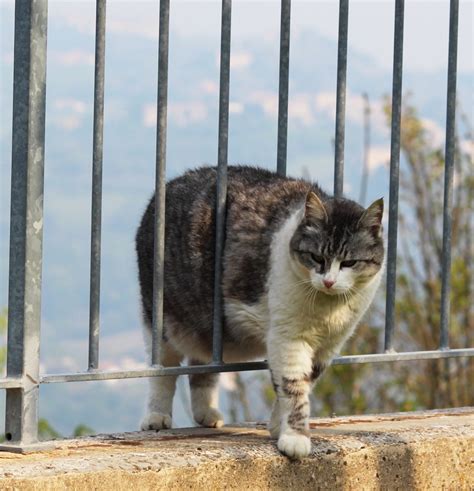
point(300, 268)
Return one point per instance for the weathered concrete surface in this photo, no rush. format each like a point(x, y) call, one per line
point(428, 451)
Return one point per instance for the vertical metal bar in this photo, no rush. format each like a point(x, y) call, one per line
point(394, 173)
point(160, 183)
point(448, 174)
point(365, 168)
point(221, 191)
point(26, 227)
point(283, 86)
point(96, 213)
point(341, 97)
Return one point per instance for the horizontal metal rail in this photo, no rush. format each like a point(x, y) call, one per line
point(53, 378)
point(247, 366)
point(11, 383)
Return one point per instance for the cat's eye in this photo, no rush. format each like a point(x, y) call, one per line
point(317, 259)
point(347, 264)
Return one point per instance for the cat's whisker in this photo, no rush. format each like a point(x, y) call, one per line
point(350, 295)
point(315, 294)
point(359, 296)
point(309, 296)
point(356, 293)
point(302, 282)
point(344, 297)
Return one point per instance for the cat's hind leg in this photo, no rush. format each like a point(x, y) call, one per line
point(204, 398)
point(161, 389)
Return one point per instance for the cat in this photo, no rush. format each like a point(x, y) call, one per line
point(300, 268)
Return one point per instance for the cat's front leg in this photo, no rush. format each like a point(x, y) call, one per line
point(291, 365)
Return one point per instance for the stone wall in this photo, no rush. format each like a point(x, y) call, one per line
point(405, 451)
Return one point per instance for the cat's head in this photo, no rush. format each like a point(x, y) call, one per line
point(338, 244)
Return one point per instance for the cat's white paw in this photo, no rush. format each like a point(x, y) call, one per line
point(156, 421)
point(294, 446)
point(210, 418)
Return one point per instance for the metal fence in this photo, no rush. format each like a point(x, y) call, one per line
point(23, 373)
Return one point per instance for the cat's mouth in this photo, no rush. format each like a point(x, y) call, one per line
point(332, 292)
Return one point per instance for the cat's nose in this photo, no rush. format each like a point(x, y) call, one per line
point(328, 283)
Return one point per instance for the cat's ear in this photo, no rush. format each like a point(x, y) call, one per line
point(314, 208)
point(372, 217)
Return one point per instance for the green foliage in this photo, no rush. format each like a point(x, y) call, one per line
point(3, 320)
point(340, 390)
point(83, 430)
point(436, 383)
point(46, 431)
point(267, 392)
point(3, 330)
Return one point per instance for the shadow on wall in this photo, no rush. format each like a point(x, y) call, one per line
point(365, 460)
point(391, 459)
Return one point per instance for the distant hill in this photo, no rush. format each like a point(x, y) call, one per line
point(129, 159)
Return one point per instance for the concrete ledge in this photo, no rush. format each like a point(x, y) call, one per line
point(405, 451)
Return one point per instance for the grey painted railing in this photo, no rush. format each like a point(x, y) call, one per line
point(23, 374)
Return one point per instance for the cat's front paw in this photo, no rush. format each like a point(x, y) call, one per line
point(156, 421)
point(294, 445)
point(210, 418)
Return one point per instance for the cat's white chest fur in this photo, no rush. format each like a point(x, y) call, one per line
point(292, 310)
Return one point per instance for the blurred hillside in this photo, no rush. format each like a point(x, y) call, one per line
point(129, 156)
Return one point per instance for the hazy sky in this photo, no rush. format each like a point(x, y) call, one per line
point(370, 24)
point(67, 197)
point(370, 28)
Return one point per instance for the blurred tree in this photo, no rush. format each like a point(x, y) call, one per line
point(449, 382)
point(82, 430)
point(46, 431)
point(403, 386)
